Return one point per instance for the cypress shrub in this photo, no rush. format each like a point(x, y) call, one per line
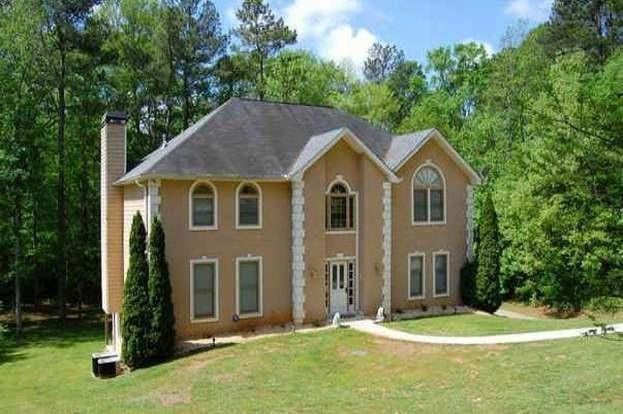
point(135, 316)
point(160, 304)
point(468, 283)
point(488, 296)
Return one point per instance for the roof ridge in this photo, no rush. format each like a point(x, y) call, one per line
point(268, 101)
point(419, 131)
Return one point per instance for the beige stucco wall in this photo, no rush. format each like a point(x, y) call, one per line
point(272, 243)
point(407, 238)
point(133, 202)
point(366, 179)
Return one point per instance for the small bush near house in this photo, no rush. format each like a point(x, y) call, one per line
point(488, 296)
point(163, 320)
point(135, 317)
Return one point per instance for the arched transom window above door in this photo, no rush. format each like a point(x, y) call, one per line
point(428, 196)
point(340, 206)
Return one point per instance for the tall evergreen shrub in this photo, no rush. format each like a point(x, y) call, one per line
point(135, 315)
point(160, 304)
point(488, 296)
point(468, 283)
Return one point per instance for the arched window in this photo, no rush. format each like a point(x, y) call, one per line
point(428, 196)
point(340, 208)
point(202, 206)
point(249, 206)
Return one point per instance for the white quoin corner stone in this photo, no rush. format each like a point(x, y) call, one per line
point(153, 201)
point(298, 252)
point(387, 246)
point(469, 199)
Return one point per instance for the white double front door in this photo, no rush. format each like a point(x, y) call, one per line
point(341, 280)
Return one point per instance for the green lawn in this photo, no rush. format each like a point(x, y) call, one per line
point(542, 312)
point(474, 325)
point(336, 370)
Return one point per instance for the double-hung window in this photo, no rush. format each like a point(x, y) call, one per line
point(249, 206)
point(416, 276)
point(340, 208)
point(428, 196)
point(204, 290)
point(202, 206)
point(249, 286)
point(441, 264)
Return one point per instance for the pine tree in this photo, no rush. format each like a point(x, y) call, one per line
point(488, 297)
point(262, 34)
point(160, 305)
point(136, 318)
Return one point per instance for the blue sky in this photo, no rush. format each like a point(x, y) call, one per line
point(343, 30)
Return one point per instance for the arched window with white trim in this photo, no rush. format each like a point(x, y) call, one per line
point(202, 206)
point(340, 202)
point(428, 196)
point(248, 206)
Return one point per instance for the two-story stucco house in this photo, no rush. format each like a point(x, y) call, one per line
point(277, 213)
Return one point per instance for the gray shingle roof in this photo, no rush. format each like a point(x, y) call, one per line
point(402, 145)
point(251, 139)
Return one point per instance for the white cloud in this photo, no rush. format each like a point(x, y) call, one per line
point(535, 10)
point(344, 43)
point(488, 46)
point(326, 25)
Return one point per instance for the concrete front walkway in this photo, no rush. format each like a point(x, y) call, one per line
point(370, 327)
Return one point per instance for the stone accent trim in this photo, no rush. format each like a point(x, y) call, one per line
point(298, 252)
point(153, 202)
point(387, 247)
point(469, 230)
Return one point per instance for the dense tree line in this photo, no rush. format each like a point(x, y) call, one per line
point(541, 119)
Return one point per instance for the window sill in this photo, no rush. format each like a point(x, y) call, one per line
point(202, 228)
point(248, 227)
point(428, 223)
point(416, 297)
point(250, 315)
point(441, 295)
point(340, 231)
point(203, 320)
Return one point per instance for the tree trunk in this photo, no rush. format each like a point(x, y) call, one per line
point(18, 269)
point(61, 213)
point(261, 83)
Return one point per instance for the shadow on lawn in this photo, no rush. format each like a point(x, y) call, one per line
point(48, 333)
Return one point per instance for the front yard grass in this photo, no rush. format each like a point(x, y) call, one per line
point(329, 371)
point(476, 325)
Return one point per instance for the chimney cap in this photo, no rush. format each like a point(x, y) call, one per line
point(114, 117)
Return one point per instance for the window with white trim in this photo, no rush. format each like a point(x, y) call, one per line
point(202, 206)
point(428, 196)
point(249, 286)
point(441, 263)
point(204, 289)
point(416, 275)
point(340, 213)
point(249, 206)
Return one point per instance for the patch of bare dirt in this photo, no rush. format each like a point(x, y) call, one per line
point(170, 399)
